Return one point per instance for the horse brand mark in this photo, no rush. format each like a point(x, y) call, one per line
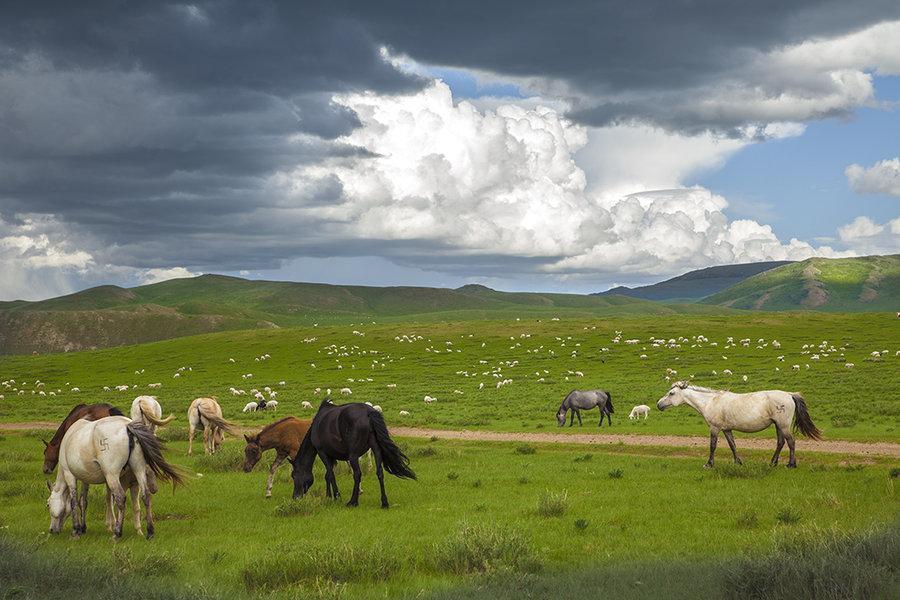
point(104, 445)
point(780, 408)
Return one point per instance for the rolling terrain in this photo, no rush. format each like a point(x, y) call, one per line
point(695, 285)
point(869, 283)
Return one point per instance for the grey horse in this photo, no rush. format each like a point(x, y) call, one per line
point(578, 400)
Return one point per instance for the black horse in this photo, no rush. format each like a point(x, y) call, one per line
point(346, 432)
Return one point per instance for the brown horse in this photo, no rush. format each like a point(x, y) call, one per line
point(91, 412)
point(285, 436)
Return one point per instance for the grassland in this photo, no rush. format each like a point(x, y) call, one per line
point(541, 356)
point(477, 511)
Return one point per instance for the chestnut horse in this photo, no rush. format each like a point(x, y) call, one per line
point(91, 412)
point(284, 436)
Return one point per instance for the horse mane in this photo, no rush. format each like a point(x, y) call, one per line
point(700, 388)
point(273, 424)
point(61, 430)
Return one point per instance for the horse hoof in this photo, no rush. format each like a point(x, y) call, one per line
point(708, 466)
point(352, 504)
point(385, 505)
point(792, 465)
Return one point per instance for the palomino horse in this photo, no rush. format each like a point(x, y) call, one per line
point(206, 414)
point(285, 436)
point(346, 432)
point(146, 410)
point(725, 411)
point(91, 412)
point(96, 452)
point(578, 400)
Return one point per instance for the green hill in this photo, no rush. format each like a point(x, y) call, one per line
point(695, 285)
point(870, 283)
point(108, 316)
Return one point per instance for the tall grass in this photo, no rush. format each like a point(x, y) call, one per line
point(485, 549)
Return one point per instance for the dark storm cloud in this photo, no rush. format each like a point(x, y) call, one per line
point(153, 130)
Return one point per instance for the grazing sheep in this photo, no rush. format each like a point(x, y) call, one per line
point(306, 404)
point(429, 399)
point(727, 372)
point(743, 378)
point(849, 365)
point(272, 405)
point(346, 391)
point(250, 407)
point(404, 413)
point(795, 368)
point(637, 411)
point(75, 390)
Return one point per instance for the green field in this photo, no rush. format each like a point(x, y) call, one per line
point(485, 519)
point(860, 403)
point(528, 510)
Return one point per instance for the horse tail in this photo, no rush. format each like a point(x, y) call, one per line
point(609, 403)
point(395, 461)
point(219, 422)
point(152, 448)
point(147, 412)
point(803, 421)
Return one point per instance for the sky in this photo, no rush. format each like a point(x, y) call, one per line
point(524, 146)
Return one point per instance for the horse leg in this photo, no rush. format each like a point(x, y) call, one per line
point(141, 486)
point(601, 415)
point(790, 442)
point(778, 447)
point(713, 441)
point(135, 509)
point(572, 418)
point(206, 440)
point(609, 418)
point(578, 412)
point(357, 476)
point(730, 438)
point(83, 505)
point(279, 458)
point(190, 437)
point(379, 470)
point(118, 494)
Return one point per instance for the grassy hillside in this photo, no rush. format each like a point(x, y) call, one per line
point(869, 283)
point(109, 316)
point(696, 284)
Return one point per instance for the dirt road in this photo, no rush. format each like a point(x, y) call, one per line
point(598, 439)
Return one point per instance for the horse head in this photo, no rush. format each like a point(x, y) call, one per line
point(561, 416)
point(59, 506)
point(51, 457)
point(252, 452)
point(674, 397)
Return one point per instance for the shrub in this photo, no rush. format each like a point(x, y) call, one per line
point(525, 449)
point(485, 549)
point(824, 566)
point(787, 516)
point(552, 504)
point(312, 565)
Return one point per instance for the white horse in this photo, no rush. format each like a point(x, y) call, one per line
point(206, 414)
point(97, 452)
point(146, 410)
point(639, 410)
point(725, 411)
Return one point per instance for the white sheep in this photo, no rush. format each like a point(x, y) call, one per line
point(346, 391)
point(637, 411)
point(250, 407)
point(429, 399)
point(272, 405)
point(306, 404)
point(404, 413)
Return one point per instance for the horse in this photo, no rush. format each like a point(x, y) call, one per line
point(91, 412)
point(346, 432)
point(578, 400)
point(206, 414)
point(725, 411)
point(97, 452)
point(637, 411)
point(146, 410)
point(285, 436)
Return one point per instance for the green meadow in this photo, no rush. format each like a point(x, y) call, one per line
point(451, 360)
point(478, 512)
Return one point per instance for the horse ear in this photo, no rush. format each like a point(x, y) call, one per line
point(247, 437)
point(46, 445)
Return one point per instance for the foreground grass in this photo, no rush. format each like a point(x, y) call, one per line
point(452, 360)
point(480, 515)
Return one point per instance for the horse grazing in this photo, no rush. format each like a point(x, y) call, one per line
point(206, 414)
point(97, 452)
point(285, 436)
point(346, 432)
point(91, 412)
point(725, 411)
point(578, 400)
point(146, 410)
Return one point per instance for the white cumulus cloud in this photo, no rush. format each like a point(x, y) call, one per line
point(159, 275)
point(881, 178)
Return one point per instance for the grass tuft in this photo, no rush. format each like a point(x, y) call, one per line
point(552, 504)
point(787, 516)
point(485, 549)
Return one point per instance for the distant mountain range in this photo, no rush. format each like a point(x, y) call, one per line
point(107, 316)
point(113, 316)
point(695, 285)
